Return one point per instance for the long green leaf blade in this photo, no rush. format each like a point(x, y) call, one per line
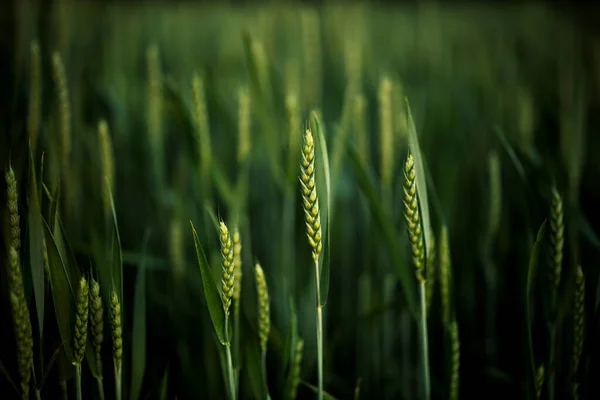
point(421, 176)
point(117, 256)
point(211, 292)
point(36, 245)
point(323, 176)
point(533, 262)
point(62, 294)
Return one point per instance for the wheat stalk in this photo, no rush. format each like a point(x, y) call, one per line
point(312, 217)
point(415, 234)
point(295, 370)
point(227, 284)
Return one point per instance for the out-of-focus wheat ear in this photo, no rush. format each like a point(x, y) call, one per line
point(228, 268)
point(312, 58)
point(176, 246)
point(237, 270)
point(413, 220)
point(353, 61)
point(46, 260)
point(556, 240)
point(244, 123)
point(310, 201)
point(18, 303)
point(445, 272)
point(35, 93)
point(578, 322)
point(386, 137)
point(455, 370)
point(295, 370)
point(359, 117)
point(81, 320)
point(400, 117)
point(264, 317)
point(64, 114)
point(12, 201)
point(293, 118)
point(97, 321)
point(539, 381)
point(430, 273)
point(202, 124)
point(117, 339)
point(259, 57)
point(108, 165)
point(495, 194)
point(154, 110)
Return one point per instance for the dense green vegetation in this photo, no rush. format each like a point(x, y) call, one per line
point(161, 230)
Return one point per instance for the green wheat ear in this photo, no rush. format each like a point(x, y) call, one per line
point(413, 219)
point(295, 370)
point(310, 201)
point(445, 271)
point(81, 320)
point(18, 303)
point(264, 319)
point(579, 321)
point(237, 274)
point(116, 330)
point(430, 274)
point(556, 240)
point(454, 376)
point(97, 321)
point(539, 381)
point(228, 268)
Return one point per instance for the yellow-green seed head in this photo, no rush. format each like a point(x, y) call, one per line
point(264, 319)
point(386, 131)
point(228, 277)
point(295, 370)
point(445, 271)
point(237, 261)
point(413, 219)
point(310, 200)
point(454, 377)
point(556, 239)
point(578, 321)
point(12, 200)
point(116, 329)
point(430, 274)
point(539, 381)
point(97, 320)
point(81, 320)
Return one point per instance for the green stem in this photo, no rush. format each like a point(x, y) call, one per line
point(319, 332)
point(229, 366)
point(424, 342)
point(100, 388)
point(78, 381)
point(117, 381)
point(63, 389)
point(38, 395)
point(551, 362)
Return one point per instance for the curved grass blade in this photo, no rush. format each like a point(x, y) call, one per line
point(326, 396)
point(212, 216)
point(62, 292)
point(138, 345)
point(324, 191)
point(36, 245)
point(421, 176)
point(531, 274)
point(8, 378)
point(116, 255)
point(211, 293)
point(403, 269)
point(290, 346)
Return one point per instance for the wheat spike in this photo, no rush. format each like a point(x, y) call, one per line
point(97, 321)
point(413, 219)
point(116, 330)
point(81, 320)
point(237, 273)
point(430, 272)
point(108, 165)
point(202, 125)
point(310, 200)
point(539, 381)
point(386, 132)
point(35, 93)
point(228, 268)
point(264, 319)
point(244, 121)
point(445, 273)
point(556, 239)
point(579, 321)
point(295, 370)
point(454, 376)
point(60, 81)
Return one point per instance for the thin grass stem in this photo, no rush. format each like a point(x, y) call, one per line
point(424, 342)
point(319, 331)
point(78, 381)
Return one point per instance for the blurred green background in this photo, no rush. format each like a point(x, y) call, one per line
point(520, 82)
